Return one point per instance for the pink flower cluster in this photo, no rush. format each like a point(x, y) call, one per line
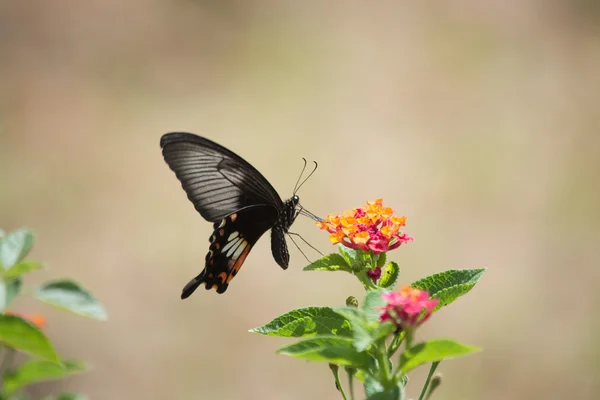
point(405, 308)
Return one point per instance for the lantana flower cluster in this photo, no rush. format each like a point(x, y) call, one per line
point(370, 228)
point(405, 308)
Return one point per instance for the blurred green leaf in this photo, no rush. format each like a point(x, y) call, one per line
point(13, 288)
point(332, 349)
point(330, 262)
point(306, 322)
point(447, 286)
point(372, 303)
point(20, 334)
point(35, 370)
point(389, 275)
point(9, 289)
point(365, 330)
point(67, 396)
point(14, 247)
point(22, 268)
point(433, 350)
point(393, 394)
point(68, 295)
point(356, 259)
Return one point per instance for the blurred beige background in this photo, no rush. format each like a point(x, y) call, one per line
point(478, 120)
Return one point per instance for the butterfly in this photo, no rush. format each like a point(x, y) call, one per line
point(242, 205)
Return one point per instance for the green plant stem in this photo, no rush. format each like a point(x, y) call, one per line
point(395, 344)
point(338, 384)
point(384, 365)
point(351, 384)
point(426, 385)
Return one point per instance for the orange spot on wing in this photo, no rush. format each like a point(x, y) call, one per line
point(238, 263)
point(233, 217)
point(223, 276)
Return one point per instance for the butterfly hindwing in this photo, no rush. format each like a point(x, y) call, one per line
point(230, 243)
point(217, 181)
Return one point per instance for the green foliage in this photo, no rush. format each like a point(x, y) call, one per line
point(447, 286)
point(307, 321)
point(389, 275)
point(332, 349)
point(14, 247)
point(433, 350)
point(70, 296)
point(354, 336)
point(18, 333)
point(22, 335)
point(330, 262)
point(34, 371)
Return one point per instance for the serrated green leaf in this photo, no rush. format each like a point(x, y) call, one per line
point(20, 334)
point(70, 296)
point(330, 262)
point(332, 349)
point(356, 259)
point(35, 370)
point(14, 247)
point(23, 268)
point(67, 396)
point(447, 286)
point(389, 275)
point(433, 350)
point(307, 322)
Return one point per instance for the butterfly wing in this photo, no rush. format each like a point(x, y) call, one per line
point(230, 244)
point(217, 181)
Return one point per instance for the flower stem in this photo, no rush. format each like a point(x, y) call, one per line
point(350, 383)
point(384, 365)
point(395, 344)
point(336, 374)
point(426, 385)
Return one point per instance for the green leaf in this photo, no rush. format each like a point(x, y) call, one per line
point(23, 268)
point(332, 349)
point(35, 370)
point(447, 286)
point(381, 259)
point(68, 295)
point(372, 303)
point(374, 390)
point(330, 262)
point(20, 334)
point(356, 259)
point(433, 350)
point(306, 322)
point(389, 275)
point(14, 247)
point(362, 328)
point(67, 396)
point(12, 289)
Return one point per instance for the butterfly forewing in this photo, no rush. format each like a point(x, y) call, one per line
point(217, 181)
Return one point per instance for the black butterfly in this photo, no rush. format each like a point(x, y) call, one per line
point(231, 193)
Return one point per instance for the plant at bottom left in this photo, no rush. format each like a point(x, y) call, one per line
point(22, 332)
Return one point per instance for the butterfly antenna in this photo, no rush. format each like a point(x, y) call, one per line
point(304, 240)
point(300, 177)
point(309, 175)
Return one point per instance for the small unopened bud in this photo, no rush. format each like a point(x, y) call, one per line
point(351, 301)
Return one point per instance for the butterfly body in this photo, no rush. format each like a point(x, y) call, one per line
point(241, 203)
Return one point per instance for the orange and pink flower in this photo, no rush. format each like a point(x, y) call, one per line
point(371, 228)
point(405, 308)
